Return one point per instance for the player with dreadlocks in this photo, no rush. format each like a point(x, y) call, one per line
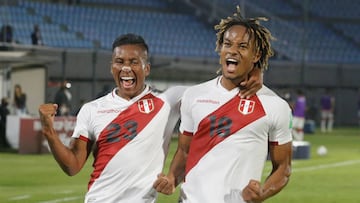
point(257, 32)
point(224, 140)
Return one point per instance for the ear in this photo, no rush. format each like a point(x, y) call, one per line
point(147, 69)
point(256, 56)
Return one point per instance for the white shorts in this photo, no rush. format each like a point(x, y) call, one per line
point(298, 122)
point(327, 114)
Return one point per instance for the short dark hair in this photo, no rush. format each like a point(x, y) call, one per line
point(130, 38)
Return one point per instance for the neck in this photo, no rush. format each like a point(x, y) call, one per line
point(230, 84)
point(130, 96)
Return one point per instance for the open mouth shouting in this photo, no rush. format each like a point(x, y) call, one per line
point(231, 64)
point(127, 81)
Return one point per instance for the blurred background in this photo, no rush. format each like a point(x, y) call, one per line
point(317, 47)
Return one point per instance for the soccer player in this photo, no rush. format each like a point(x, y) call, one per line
point(224, 140)
point(327, 104)
point(299, 110)
point(128, 130)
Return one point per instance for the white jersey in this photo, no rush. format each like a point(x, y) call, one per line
point(131, 142)
point(230, 139)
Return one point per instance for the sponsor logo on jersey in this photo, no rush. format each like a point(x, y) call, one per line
point(146, 105)
point(109, 111)
point(207, 101)
point(246, 106)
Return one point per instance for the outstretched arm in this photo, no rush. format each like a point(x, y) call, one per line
point(167, 184)
point(278, 178)
point(71, 159)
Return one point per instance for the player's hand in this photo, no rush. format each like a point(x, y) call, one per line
point(252, 84)
point(253, 192)
point(164, 185)
point(47, 113)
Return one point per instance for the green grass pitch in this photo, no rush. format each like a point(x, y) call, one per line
point(332, 178)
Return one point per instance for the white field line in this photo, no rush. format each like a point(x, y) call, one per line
point(21, 197)
point(311, 168)
point(64, 192)
point(66, 199)
point(326, 166)
point(318, 167)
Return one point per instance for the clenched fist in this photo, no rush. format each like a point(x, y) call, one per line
point(253, 192)
point(164, 185)
point(47, 113)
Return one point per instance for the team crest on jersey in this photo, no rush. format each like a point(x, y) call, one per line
point(246, 106)
point(146, 105)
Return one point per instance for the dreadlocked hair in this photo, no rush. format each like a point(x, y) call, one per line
point(259, 33)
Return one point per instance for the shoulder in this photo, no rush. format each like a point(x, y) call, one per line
point(173, 94)
point(266, 91)
point(88, 106)
point(91, 107)
point(201, 87)
point(175, 90)
point(95, 104)
point(271, 100)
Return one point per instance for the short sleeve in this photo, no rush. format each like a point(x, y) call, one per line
point(82, 123)
point(186, 119)
point(174, 94)
point(280, 132)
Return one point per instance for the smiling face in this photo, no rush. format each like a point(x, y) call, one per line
point(237, 56)
point(129, 68)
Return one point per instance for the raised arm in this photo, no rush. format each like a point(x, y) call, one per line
point(71, 159)
point(167, 184)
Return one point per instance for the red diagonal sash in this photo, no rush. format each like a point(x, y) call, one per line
point(125, 127)
point(222, 123)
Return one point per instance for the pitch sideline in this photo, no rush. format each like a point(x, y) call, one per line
point(317, 167)
point(303, 169)
point(326, 166)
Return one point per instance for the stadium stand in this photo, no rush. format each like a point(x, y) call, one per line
point(159, 4)
point(316, 47)
point(89, 23)
point(311, 31)
point(95, 23)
